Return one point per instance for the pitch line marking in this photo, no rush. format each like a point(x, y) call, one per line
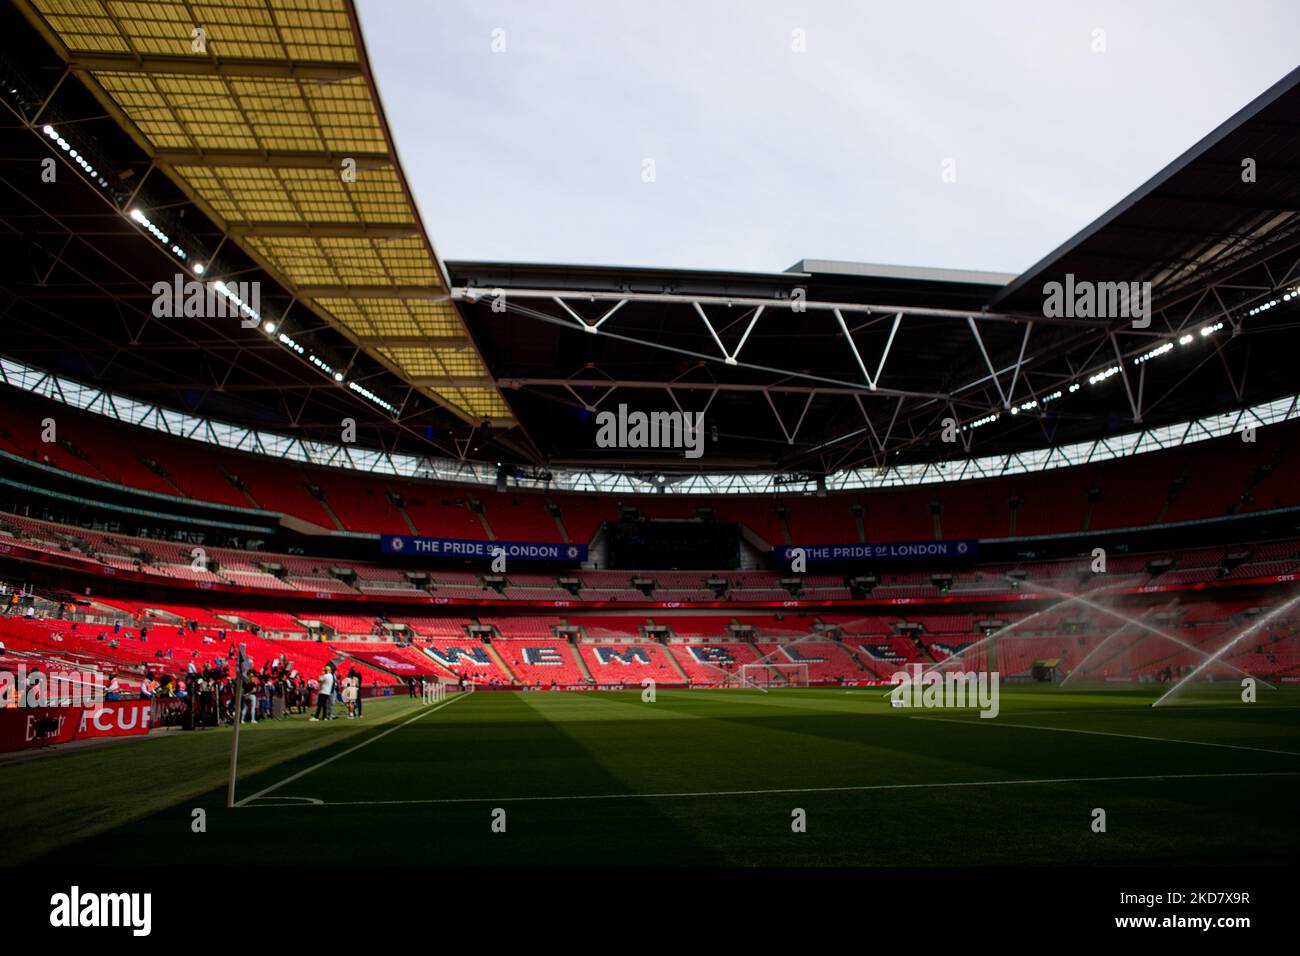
point(329, 760)
point(783, 790)
point(1107, 733)
point(1137, 708)
point(299, 801)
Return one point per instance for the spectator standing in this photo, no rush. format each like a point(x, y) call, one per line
point(325, 695)
point(350, 695)
point(250, 699)
point(354, 673)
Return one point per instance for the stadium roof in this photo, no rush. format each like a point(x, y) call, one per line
point(835, 267)
point(1198, 219)
point(826, 367)
point(875, 358)
point(270, 122)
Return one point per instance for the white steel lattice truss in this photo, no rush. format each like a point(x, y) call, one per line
point(1014, 394)
point(241, 438)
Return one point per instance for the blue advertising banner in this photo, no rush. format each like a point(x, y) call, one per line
point(893, 551)
point(412, 545)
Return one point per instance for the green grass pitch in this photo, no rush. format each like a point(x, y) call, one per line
point(696, 777)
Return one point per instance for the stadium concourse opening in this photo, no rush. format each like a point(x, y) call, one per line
point(362, 556)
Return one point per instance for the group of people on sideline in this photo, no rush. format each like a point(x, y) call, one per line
point(276, 691)
point(345, 690)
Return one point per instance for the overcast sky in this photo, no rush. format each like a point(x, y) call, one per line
point(763, 155)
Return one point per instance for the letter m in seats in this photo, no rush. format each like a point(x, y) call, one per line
point(608, 654)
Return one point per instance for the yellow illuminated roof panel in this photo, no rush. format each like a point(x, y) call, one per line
point(256, 119)
point(375, 318)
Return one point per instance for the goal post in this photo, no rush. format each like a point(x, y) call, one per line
point(769, 675)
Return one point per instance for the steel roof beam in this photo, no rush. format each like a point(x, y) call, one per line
point(401, 341)
point(988, 363)
point(474, 293)
point(451, 381)
point(371, 292)
point(273, 158)
point(515, 382)
point(160, 64)
point(324, 230)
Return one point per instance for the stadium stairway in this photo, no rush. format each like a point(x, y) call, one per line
point(582, 663)
point(1253, 481)
point(329, 511)
point(559, 523)
point(240, 487)
point(920, 647)
point(500, 661)
point(1164, 508)
point(165, 478)
point(406, 520)
point(677, 665)
point(857, 663)
point(81, 455)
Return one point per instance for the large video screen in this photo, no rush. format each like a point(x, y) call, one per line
point(667, 545)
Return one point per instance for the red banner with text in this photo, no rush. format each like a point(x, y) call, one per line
point(22, 728)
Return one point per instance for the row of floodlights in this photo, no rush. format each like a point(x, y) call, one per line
point(1164, 348)
point(1186, 339)
point(1287, 296)
point(75, 156)
point(1035, 402)
point(199, 268)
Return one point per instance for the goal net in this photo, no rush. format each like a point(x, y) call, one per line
point(771, 675)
